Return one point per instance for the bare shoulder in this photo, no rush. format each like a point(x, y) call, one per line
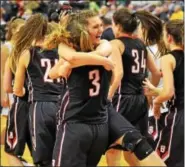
point(104, 42)
point(25, 57)
point(168, 59)
point(119, 44)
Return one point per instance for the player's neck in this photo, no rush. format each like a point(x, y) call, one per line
point(175, 47)
point(129, 35)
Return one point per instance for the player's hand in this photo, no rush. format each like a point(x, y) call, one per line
point(64, 70)
point(157, 110)
point(109, 65)
point(148, 88)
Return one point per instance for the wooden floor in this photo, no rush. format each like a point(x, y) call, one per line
point(4, 161)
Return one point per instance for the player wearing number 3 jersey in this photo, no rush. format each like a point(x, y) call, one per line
point(44, 93)
point(83, 114)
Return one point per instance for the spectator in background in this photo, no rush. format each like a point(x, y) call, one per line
point(3, 25)
point(177, 14)
point(94, 6)
point(11, 9)
point(107, 25)
point(103, 10)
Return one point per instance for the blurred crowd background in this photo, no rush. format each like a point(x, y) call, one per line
point(165, 10)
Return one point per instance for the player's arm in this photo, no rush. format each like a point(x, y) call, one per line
point(24, 60)
point(104, 49)
point(155, 73)
point(60, 69)
point(81, 58)
point(168, 64)
point(6, 86)
point(7, 79)
point(116, 56)
point(165, 93)
point(150, 89)
point(63, 67)
point(4, 95)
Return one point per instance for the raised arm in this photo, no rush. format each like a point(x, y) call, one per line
point(81, 58)
point(61, 69)
point(69, 59)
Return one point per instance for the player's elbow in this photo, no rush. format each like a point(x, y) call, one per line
point(18, 92)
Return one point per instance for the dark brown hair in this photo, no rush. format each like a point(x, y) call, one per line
point(153, 29)
point(176, 29)
point(126, 19)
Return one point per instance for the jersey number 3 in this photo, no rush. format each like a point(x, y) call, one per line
point(94, 76)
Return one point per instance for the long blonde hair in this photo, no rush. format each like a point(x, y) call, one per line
point(34, 29)
point(74, 31)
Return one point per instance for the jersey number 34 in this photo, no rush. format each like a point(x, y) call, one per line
point(140, 62)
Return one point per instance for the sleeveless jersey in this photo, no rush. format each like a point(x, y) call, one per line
point(134, 66)
point(41, 87)
point(87, 95)
point(178, 99)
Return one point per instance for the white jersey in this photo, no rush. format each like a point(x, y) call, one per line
point(153, 51)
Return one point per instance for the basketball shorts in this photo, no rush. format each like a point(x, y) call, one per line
point(118, 125)
point(42, 124)
point(135, 109)
point(79, 144)
point(17, 129)
point(170, 146)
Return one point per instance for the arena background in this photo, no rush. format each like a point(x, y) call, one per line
point(165, 10)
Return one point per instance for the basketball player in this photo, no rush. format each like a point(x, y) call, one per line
point(84, 118)
point(115, 129)
point(44, 93)
point(12, 27)
point(131, 59)
point(17, 132)
point(7, 99)
point(170, 146)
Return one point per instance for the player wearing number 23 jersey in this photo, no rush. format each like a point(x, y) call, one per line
point(129, 99)
point(45, 95)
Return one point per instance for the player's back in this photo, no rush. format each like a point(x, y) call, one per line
point(134, 66)
point(88, 88)
point(41, 87)
point(178, 78)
